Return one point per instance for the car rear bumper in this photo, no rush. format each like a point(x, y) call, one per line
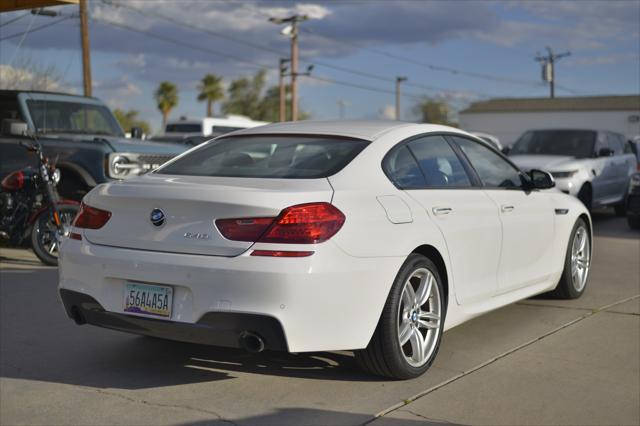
point(214, 328)
point(327, 301)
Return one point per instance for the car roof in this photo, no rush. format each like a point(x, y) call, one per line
point(364, 129)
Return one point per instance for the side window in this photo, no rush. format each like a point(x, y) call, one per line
point(615, 143)
point(628, 147)
point(493, 170)
point(439, 163)
point(602, 142)
point(401, 167)
point(9, 107)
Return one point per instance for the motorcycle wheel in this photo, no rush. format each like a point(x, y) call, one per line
point(44, 234)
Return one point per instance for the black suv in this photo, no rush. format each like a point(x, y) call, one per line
point(80, 134)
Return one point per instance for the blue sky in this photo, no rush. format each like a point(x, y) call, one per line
point(492, 38)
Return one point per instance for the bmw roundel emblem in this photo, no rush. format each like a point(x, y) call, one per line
point(157, 217)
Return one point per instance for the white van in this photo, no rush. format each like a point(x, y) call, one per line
point(210, 126)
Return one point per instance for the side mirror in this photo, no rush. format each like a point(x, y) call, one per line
point(14, 127)
point(136, 133)
point(505, 150)
point(541, 179)
point(605, 152)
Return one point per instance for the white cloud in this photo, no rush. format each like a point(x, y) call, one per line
point(13, 78)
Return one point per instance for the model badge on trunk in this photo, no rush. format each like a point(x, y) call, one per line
point(196, 236)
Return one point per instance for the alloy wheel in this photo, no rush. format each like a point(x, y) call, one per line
point(580, 259)
point(419, 317)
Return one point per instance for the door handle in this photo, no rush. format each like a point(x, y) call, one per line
point(439, 211)
point(506, 209)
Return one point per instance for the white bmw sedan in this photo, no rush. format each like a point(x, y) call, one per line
point(317, 236)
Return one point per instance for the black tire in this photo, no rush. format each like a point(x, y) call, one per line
point(633, 221)
point(586, 196)
point(565, 288)
point(621, 209)
point(43, 231)
point(384, 356)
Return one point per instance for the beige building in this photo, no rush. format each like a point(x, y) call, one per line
point(508, 118)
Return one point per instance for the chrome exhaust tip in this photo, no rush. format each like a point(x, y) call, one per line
point(251, 342)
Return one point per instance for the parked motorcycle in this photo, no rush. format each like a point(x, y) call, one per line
point(31, 211)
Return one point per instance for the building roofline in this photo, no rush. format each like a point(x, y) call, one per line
point(581, 103)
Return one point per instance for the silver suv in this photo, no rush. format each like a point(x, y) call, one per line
point(593, 165)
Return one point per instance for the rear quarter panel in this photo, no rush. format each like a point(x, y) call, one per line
point(368, 231)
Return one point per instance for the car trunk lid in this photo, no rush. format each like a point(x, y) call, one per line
point(190, 205)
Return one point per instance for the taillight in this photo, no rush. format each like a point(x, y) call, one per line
point(244, 229)
point(91, 218)
point(14, 181)
point(302, 224)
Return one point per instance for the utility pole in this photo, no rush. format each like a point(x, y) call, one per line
point(398, 81)
point(291, 30)
point(283, 91)
point(548, 67)
point(86, 59)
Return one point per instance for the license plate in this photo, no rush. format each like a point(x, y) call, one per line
point(154, 300)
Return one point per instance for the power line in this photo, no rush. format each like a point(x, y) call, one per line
point(33, 30)
point(17, 18)
point(24, 35)
point(362, 86)
point(235, 58)
point(177, 42)
point(264, 47)
point(433, 67)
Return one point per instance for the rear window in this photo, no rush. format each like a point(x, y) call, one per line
point(285, 157)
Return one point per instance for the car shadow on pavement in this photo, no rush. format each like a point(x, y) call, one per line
point(313, 365)
point(311, 416)
point(40, 343)
point(607, 224)
point(135, 362)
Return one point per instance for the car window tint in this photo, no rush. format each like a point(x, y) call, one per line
point(439, 163)
point(629, 148)
point(402, 168)
point(602, 142)
point(257, 156)
point(493, 170)
point(573, 143)
point(615, 144)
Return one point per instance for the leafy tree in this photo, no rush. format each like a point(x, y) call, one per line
point(248, 97)
point(433, 111)
point(210, 89)
point(129, 119)
point(270, 105)
point(244, 96)
point(166, 96)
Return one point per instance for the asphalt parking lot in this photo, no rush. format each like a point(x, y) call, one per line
point(536, 362)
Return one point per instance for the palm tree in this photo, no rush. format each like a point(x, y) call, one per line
point(166, 96)
point(211, 91)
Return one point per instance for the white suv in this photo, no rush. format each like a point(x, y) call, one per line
point(593, 165)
